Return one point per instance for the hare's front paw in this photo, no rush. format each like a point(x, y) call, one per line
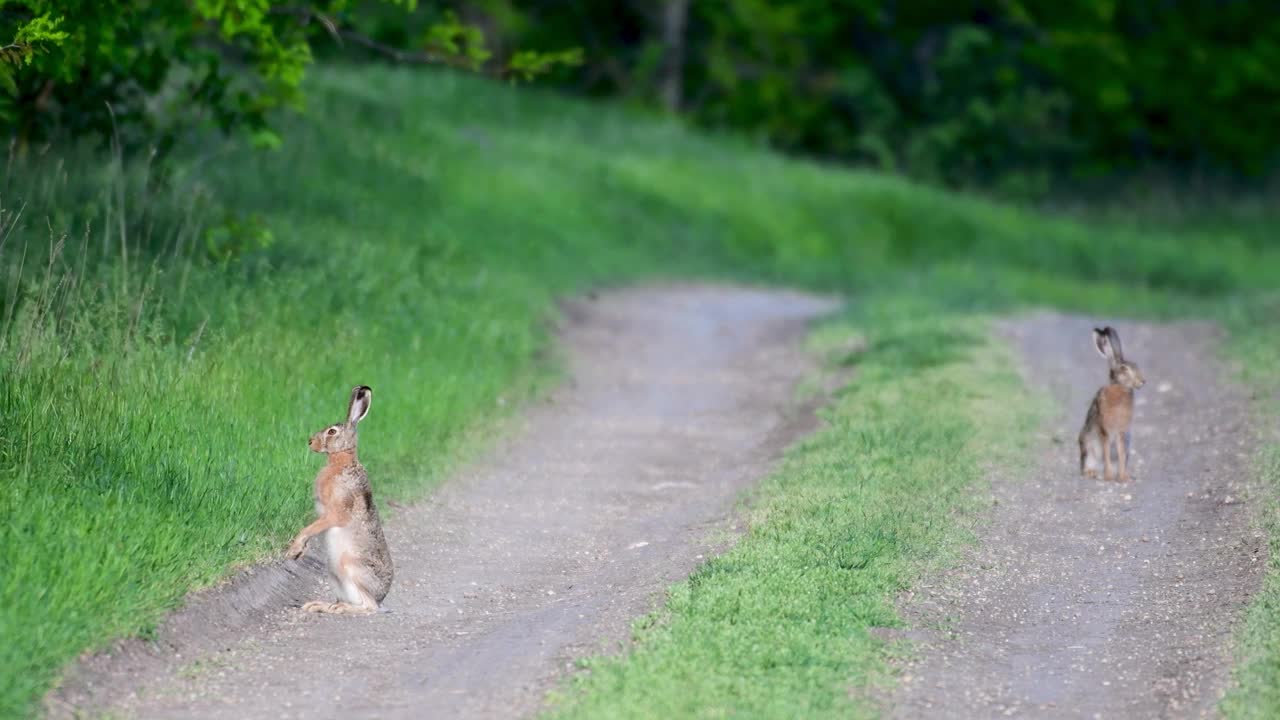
point(296, 548)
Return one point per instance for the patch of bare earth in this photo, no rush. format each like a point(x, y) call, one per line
point(1092, 599)
point(678, 398)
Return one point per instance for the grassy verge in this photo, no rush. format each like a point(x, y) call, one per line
point(1256, 694)
point(886, 491)
point(161, 362)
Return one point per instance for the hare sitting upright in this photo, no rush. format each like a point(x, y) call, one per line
point(358, 556)
point(1111, 410)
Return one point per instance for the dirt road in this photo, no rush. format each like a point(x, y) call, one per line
point(678, 399)
point(1100, 600)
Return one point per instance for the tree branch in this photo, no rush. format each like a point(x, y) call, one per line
point(341, 35)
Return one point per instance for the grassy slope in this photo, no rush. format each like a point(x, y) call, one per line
point(423, 226)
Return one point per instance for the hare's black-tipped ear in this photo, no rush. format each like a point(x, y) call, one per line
point(1115, 343)
point(361, 398)
point(1102, 342)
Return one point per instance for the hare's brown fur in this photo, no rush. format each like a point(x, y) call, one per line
point(1109, 416)
point(359, 559)
point(1111, 412)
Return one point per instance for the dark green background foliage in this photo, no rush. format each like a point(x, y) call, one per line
point(1015, 93)
point(949, 90)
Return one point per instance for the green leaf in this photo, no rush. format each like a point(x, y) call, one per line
point(266, 139)
point(6, 79)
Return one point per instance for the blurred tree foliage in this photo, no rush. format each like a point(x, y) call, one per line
point(958, 91)
point(144, 71)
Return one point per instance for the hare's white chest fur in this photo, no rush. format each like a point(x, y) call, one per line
point(337, 542)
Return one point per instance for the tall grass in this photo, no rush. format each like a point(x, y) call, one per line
point(167, 346)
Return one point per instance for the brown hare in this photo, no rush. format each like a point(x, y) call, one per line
point(1111, 411)
point(358, 555)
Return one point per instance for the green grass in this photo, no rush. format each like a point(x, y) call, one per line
point(160, 370)
point(1256, 694)
point(780, 625)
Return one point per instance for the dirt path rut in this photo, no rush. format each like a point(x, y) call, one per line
point(1100, 600)
point(678, 399)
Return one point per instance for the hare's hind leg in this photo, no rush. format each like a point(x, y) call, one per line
point(354, 581)
point(337, 608)
point(1107, 472)
point(342, 607)
point(359, 601)
point(1122, 456)
point(356, 599)
point(1089, 447)
point(1084, 457)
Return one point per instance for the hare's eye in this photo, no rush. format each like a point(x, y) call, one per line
point(333, 431)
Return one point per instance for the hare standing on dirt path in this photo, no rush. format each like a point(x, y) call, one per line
point(358, 556)
point(1111, 410)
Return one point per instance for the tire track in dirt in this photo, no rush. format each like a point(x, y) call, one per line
point(1100, 600)
point(678, 398)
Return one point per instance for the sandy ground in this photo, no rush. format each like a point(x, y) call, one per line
point(1090, 599)
point(679, 398)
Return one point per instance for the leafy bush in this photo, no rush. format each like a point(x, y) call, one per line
point(144, 72)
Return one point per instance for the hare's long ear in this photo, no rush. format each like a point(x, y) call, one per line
point(361, 397)
point(1115, 344)
point(1102, 343)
